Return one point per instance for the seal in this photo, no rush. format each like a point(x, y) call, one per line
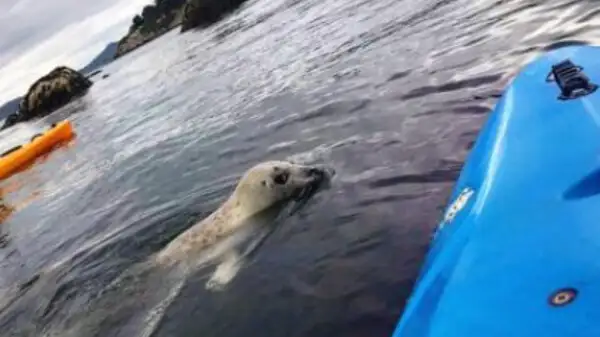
point(133, 300)
point(250, 212)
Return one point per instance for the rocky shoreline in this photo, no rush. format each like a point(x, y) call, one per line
point(154, 21)
point(166, 15)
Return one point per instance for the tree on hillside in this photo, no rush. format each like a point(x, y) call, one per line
point(136, 23)
point(138, 20)
point(150, 14)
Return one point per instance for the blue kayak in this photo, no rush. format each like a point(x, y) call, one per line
point(517, 252)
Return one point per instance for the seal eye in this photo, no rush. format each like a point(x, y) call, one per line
point(281, 178)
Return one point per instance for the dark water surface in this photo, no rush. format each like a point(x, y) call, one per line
point(390, 93)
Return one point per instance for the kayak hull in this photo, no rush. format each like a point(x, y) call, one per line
point(517, 251)
point(20, 157)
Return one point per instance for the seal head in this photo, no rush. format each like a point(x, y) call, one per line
point(275, 182)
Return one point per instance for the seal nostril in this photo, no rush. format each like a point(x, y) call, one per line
point(315, 172)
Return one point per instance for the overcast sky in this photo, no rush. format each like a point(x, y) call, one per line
point(38, 35)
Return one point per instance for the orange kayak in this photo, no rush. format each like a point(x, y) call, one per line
point(21, 156)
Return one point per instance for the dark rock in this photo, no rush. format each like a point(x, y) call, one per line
point(51, 92)
point(94, 73)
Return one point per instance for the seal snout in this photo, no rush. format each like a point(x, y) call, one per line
point(318, 177)
point(316, 172)
point(320, 172)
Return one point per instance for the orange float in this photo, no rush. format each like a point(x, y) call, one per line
point(20, 157)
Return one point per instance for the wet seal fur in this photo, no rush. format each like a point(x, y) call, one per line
point(254, 204)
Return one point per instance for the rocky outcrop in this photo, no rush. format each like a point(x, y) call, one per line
point(131, 41)
point(51, 92)
point(154, 21)
point(140, 37)
point(165, 15)
point(202, 13)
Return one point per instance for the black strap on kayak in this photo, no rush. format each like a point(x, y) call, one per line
point(11, 150)
point(571, 80)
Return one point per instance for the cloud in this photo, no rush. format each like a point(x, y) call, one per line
point(40, 35)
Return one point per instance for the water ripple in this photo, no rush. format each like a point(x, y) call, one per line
point(389, 92)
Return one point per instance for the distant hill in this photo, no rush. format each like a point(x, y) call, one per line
point(9, 107)
point(106, 56)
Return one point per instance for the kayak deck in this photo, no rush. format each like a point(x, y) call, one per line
point(519, 254)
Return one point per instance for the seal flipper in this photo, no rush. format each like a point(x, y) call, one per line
point(225, 271)
point(232, 261)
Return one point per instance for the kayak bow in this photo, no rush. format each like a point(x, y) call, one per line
point(517, 252)
point(15, 159)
